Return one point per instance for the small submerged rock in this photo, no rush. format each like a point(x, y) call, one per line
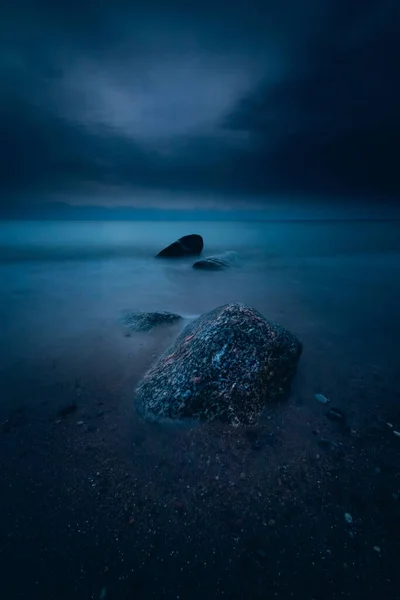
point(217, 262)
point(185, 246)
point(226, 365)
point(144, 321)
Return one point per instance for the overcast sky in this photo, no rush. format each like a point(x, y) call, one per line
point(212, 99)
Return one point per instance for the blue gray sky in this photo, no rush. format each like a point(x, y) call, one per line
point(213, 104)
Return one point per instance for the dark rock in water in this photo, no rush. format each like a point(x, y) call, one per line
point(144, 321)
point(185, 246)
point(226, 365)
point(216, 263)
point(210, 264)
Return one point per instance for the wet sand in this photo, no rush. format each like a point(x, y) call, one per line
point(99, 504)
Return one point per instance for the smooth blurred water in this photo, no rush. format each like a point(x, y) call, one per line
point(329, 280)
point(74, 239)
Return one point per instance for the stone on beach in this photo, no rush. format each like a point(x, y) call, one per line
point(321, 398)
point(185, 246)
point(217, 262)
point(144, 321)
point(227, 365)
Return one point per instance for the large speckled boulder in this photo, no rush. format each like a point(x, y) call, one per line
point(185, 246)
point(226, 365)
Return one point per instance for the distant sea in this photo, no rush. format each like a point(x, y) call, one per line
point(69, 272)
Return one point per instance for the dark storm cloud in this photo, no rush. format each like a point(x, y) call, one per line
point(334, 122)
point(253, 97)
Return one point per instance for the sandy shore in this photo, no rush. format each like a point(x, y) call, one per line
point(99, 504)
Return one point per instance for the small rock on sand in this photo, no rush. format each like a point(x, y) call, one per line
point(348, 518)
point(217, 262)
point(145, 321)
point(335, 414)
point(321, 398)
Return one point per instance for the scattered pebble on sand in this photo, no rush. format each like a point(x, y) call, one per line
point(103, 594)
point(321, 398)
point(335, 414)
point(348, 518)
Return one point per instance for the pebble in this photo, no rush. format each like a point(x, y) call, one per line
point(335, 414)
point(349, 518)
point(321, 398)
point(103, 594)
point(377, 549)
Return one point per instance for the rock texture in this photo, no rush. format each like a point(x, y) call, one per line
point(217, 262)
point(185, 246)
point(144, 321)
point(226, 365)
